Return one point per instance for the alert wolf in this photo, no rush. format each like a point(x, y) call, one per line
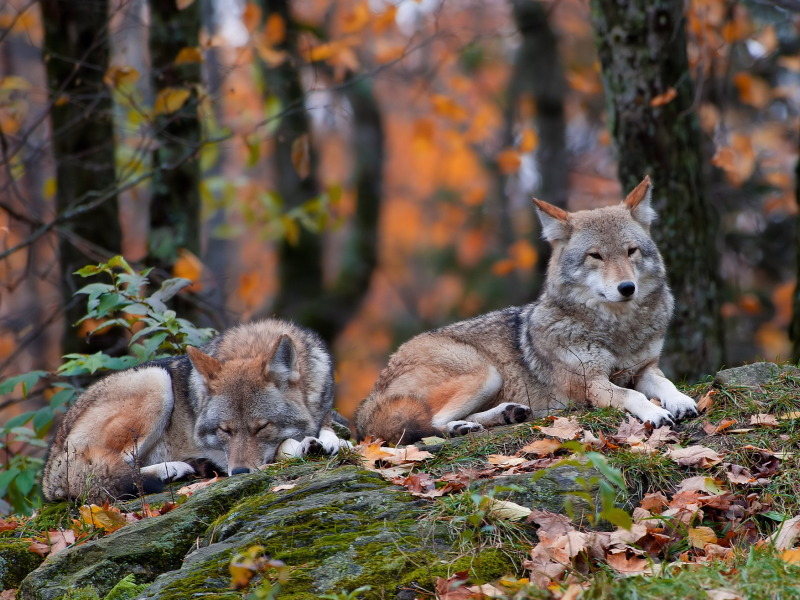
point(594, 335)
point(256, 391)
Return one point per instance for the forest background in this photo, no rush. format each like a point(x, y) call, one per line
point(365, 168)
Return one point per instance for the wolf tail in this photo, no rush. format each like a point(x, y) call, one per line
point(95, 474)
point(394, 419)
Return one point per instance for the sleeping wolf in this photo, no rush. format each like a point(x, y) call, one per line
point(255, 391)
point(594, 335)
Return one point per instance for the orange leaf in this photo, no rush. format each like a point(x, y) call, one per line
point(508, 161)
point(189, 267)
point(541, 447)
point(170, 99)
point(120, 75)
point(188, 55)
point(705, 402)
point(252, 16)
point(529, 140)
point(275, 29)
point(503, 267)
point(385, 20)
point(447, 107)
point(664, 98)
point(301, 156)
point(524, 255)
point(356, 19)
point(700, 536)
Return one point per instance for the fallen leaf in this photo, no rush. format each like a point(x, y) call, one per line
point(417, 483)
point(790, 415)
point(107, 519)
point(700, 536)
point(453, 587)
point(282, 487)
point(591, 440)
point(505, 509)
point(742, 430)
point(371, 451)
point(706, 401)
point(406, 455)
point(505, 461)
point(433, 440)
point(543, 569)
point(542, 447)
point(553, 525)
point(563, 429)
point(628, 536)
point(787, 534)
point(654, 502)
point(39, 548)
point(791, 556)
point(695, 456)
point(7, 525)
point(701, 483)
point(661, 436)
point(190, 489)
point(646, 518)
point(301, 156)
point(627, 566)
point(489, 591)
point(8, 594)
point(739, 474)
point(716, 551)
point(764, 419)
point(631, 432)
point(664, 98)
point(712, 429)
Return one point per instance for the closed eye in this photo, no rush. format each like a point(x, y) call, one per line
point(595, 255)
point(632, 251)
point(263, 427)
point(224, 430)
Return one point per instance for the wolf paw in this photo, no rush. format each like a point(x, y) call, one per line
point(331, 444)
point(458, 428)
point(657, 416)
point(515, 413)
point(168, 470)
point(679, 405)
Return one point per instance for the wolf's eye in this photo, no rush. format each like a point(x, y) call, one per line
point(224, 430)
point(595, 255)
point(262, 427)
point(632, 251)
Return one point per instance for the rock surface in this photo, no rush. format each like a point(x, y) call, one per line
point(752, 375)
point(337, 528)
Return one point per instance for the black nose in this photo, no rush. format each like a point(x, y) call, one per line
point(626, 288)
point(240, 470)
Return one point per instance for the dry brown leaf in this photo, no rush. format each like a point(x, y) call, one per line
point(543, 569)
point(505, 461)
point(409, 454)
point(170, 100)
point(646, 518)
point(553, 525)
point(591, 440)
point(371, 451)
point(701, 483)
point(787, 534)
point(108, 519)
point(706, 401)
point(39, 548)
point(739, 474)
point(628, 566)
point(7, 525)
point(654, 502)
point(695, 456)
point(542, 447)
point(712, 429)
point(700, 536)
point(301, 156)
point(563, 428)
point(764, 419)
point(453, 587)
point(631, 432)
point(661, 436)
point(643, 448)
point(190, 489)
point(628, 536)
point(8, 594)
point(790, 415)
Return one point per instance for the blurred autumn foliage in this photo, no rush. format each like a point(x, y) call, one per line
point(375, 158)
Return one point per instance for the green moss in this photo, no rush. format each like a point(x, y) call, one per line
point(16, 561)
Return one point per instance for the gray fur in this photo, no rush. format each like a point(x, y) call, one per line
point(582, 341)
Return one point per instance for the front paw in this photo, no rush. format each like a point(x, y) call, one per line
point(657, 416)
point(679, 405)
point(169, 470)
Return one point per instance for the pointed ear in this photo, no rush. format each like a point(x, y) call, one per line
point(555, 221)
point(638, 202)
point(208, 366)
point(283, 366)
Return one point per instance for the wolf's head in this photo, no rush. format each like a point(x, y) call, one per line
point(248, 406)
point(604, 257)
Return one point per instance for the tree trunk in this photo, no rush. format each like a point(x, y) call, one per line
point(76, 51)
point(538, 73)
point(642, 48)
point(302, 296)
point(175, 204)
point(794, 326)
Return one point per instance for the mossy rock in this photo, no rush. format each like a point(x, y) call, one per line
point(752, 375)
point(550, 490)
point(145, 549)
point(16, 561)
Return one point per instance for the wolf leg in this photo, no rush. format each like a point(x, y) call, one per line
point(502, 414)
point(168, 470)
point(462, 395)
point(603, 393)
point(116, 419)
point(653, 384)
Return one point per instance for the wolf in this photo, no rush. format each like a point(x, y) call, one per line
point(254, 392)
point(593, 336)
